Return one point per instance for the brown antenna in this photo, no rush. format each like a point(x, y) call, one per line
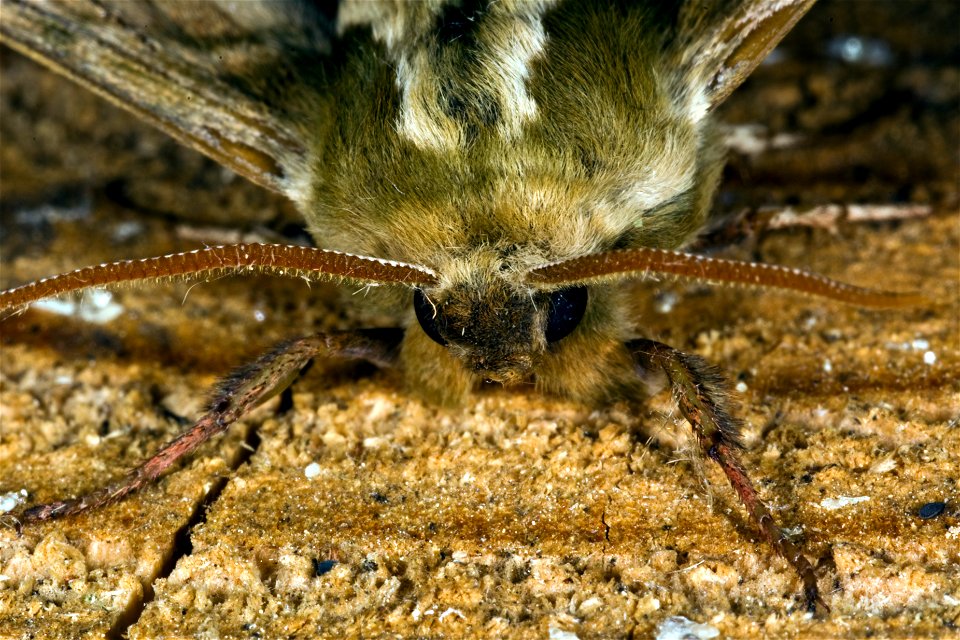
point(611, 265)
point(233, 259)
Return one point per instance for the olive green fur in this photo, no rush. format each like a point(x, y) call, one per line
point(612, 159)
point(606, 126)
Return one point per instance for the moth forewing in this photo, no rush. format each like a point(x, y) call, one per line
point(184, 75)
point(489, 146)
point(719, 44)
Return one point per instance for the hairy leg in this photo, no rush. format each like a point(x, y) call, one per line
point(703, 396)
point(235, 396)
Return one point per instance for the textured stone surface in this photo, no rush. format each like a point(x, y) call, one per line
point(362, 511)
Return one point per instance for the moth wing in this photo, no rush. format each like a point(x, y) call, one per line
point(218, 76)
point(720, 43)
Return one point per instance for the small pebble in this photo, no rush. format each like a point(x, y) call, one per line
point(681, 628)
point(321, 567)
point(12, 500)
point(832, 504)
point(931, 510)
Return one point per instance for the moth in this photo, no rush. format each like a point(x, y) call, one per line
point(492, 172)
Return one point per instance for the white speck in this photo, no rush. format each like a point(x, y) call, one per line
point(124, 231)
point(312, 470)
point(12, 500)
point(680, 628)
point(821, 217)
point(451, 612)
point(953, 532)
point(918, 344)
point(467, 478)
point(96, 306)
point(929, 358)
point(827, 366)
point(883, 466)
point(373, 442)
point(871, 52)
point(848, 49)
point(100, 298)
point(741, 387)
point(259, 315)
point(949, 600)
point(92, 440)
point(785, 140)
point(831, 504)
point(665, 302)
point(57, 306)
point(560, 634)
point(879, 212)
point(53, 213)
point(590, 605)
point(752, 139)
point(380, 409)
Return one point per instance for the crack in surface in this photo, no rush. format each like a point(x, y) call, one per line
point(606, 527)
point(182, 544)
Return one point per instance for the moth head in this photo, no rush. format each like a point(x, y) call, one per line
point(499, 331)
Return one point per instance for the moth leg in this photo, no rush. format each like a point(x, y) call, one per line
point(702, 394)
point(233, 397)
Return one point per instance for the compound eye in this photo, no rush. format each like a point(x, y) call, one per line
point(567, 307)
point(427, 315)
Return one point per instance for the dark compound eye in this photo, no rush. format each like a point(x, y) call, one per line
point(567, 307)
point(427, 315)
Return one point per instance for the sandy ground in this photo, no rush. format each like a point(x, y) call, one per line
point(364, 512)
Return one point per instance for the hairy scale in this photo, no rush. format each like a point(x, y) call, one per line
point(463, 171)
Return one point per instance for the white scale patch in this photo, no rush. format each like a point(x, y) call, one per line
point(509, 44)
point(652, 186)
